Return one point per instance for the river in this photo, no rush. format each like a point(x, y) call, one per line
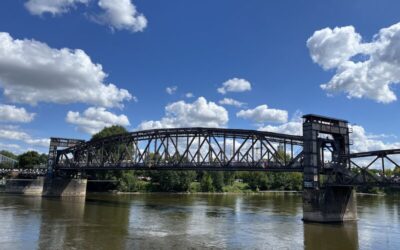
point(190, 221)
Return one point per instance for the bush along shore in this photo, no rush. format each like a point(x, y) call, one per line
point(200, 181)
point(209, 182)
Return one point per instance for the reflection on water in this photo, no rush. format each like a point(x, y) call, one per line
point(175, 221)
point(331, 236)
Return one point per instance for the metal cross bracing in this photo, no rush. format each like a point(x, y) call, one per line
point(374, 168)
point(187, 149)
point(55, 144)
point(322, 154)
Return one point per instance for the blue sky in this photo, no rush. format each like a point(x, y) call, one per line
point(195, 46)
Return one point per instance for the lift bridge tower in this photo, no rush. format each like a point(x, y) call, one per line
point(325, 196)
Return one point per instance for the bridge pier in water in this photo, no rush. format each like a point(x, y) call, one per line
point(324, 199)
point(332, 204)
point(47, 186)
point(61, 186)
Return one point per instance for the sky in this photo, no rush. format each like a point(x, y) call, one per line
point(69, 68)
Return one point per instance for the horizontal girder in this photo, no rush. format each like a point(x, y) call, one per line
point(219, 149)
point(375, 153)
point(187, 149)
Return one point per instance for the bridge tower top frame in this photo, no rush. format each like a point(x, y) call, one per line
point(336, 133)
point(55, 144)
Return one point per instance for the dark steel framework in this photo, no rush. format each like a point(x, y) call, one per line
point(322, 153)
point(187, 149)
point(57, 143)
point(374, 171)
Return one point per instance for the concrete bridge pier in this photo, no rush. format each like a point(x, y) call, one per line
point(331, 204)
point(25, 186)
point(47, 186)
point(61, 186)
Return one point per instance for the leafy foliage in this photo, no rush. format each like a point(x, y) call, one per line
point(176, 181)
point(206, 184)
point(30, 159)
point(109, 131)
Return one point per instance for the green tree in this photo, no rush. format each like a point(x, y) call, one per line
point(109, 131)
point(229, 177)
point(217, 180)
point(206, 183)
point(259, 180)
point(128, 182)
point(43, 158)
point(176, 181)
point(29, 159)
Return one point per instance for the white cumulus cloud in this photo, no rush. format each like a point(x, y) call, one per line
point(14, 133)
point(10, 113)
point(117, 14)
point(362, 141)
point(32, 72)
point(292, 127)
point(171, 90)
point(10, 147)
point(263, 114)
point(231, 102)
point(363, 69)
point(189, 95)
point(235, 85)
point(92, 120)
point(120, 15)
point(54, 7)
point(200, 113)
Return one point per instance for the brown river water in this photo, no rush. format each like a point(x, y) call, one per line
point(190, 221)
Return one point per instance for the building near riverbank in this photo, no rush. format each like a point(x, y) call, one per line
point(7, 160)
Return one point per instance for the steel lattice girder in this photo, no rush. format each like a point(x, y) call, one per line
point(187, 148)
point(364, 174)
point(212, 149)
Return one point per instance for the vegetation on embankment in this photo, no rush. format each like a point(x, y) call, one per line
point(203, 181)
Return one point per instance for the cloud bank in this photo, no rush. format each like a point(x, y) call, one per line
point(200, 113)
point(362, 69)
point(92, 120)
point(32, 72)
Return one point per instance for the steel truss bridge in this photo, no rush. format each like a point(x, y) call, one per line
point(323, 150)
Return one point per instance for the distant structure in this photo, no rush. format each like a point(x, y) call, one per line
point(5, 159)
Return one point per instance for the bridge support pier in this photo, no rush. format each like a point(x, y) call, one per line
point(25, 186)
point(58, 186)
point(329, 205)
point(47, 186)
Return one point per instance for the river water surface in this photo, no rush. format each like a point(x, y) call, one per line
point(190, 221)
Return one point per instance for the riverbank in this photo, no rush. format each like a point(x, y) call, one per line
point(207, 193)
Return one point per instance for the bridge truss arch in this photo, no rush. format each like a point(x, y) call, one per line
point(187, 149)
